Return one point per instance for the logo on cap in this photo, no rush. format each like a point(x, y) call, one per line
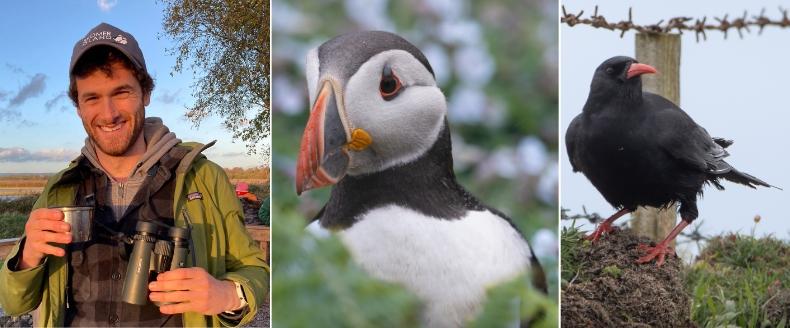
point(120, 39)
point(96, 36)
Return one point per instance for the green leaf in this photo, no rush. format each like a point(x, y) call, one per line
point(316, 283)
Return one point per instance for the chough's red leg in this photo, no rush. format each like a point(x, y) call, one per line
point(606, 225)
point(662, 249)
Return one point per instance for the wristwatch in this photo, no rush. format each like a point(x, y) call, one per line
point(240, 295)
point(242, 300)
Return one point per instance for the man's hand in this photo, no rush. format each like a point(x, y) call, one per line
point(44, 226)
point(194, 290)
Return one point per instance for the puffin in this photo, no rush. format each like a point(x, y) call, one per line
point(378, 134)
point(640, 149)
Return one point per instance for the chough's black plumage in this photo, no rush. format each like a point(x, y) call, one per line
point(638, 148)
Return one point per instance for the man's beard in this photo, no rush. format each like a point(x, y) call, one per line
point(118, 145)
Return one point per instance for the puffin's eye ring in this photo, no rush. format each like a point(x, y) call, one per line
point(609, 70)
point(390, 85)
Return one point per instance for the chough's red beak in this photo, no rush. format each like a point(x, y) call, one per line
point(637, 69)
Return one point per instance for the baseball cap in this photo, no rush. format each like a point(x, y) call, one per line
point(108, 35)
point(242, 188)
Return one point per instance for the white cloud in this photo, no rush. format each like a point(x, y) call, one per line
point(21, 155)
point(106, 5)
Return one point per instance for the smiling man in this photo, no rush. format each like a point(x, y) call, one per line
point(132, 169)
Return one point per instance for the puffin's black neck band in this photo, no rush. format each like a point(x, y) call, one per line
point(426, 185)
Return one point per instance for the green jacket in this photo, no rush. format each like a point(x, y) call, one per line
point(221, 243)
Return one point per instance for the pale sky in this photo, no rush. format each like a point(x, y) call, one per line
point(735, 88)
point(39, 129)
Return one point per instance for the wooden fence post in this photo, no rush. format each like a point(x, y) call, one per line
point(661, 51)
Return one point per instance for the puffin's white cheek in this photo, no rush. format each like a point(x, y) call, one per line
point(406, 127)
point(414, 117)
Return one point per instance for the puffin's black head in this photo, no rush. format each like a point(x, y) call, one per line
point(375, 105)
point(619, 75)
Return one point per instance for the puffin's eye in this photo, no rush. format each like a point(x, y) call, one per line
point(390, 85)
point(609, 70)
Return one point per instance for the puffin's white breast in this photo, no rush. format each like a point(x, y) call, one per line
point(448, 264)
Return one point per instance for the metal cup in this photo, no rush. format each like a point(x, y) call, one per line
point(81, 220)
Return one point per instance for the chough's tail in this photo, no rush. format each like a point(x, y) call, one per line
point(731, 174)
point(745, 179)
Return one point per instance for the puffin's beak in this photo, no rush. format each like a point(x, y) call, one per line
point(637, 69)
point(323, 157)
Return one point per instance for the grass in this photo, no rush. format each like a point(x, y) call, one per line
point(260, 190)
point(12, 225)
point(735, 278)
point(571, 242)
point(22, 204)
point(13, 215)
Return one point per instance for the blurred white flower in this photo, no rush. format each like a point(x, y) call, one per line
point(439, 60)
point(474, 65)
point(544, 243)
point(447, 9)
point(495, 114)
point(292, 51)
point(370, 14)
point(547, 185)
point(286, 165)
point(286, 19)
point(467, 105)
point(531, 155)
point(460, 32)
point(288, 97)
point(503, 162)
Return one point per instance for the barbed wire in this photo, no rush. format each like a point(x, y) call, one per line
point(680, 24)
point(695, 235)
point(592, 217)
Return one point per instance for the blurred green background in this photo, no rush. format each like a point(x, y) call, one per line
point(496, 62)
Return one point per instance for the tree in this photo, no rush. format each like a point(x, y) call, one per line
point(226, 44)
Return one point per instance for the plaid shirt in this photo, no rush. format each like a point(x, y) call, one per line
point(98, 267)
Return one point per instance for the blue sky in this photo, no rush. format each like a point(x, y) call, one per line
point(735, 88)
point(39, 128)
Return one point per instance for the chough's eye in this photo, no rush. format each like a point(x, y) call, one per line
point(609, 70)
point(390, 85)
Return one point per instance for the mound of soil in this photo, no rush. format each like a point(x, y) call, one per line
point(778, 306)
point(612, 290)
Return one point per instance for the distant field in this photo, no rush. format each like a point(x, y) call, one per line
point(19, 185)
point(24, 182)
point(5, 192)
point(250, 181)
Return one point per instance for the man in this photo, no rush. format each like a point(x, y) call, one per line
point(131, 168)
point(249, 202)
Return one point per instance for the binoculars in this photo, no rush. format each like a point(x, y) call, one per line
point(152, 254)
